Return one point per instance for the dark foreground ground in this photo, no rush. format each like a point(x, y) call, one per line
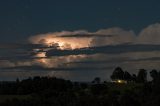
point(44, 91)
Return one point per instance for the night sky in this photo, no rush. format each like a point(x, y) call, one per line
point(23, 18)
point(78, 39)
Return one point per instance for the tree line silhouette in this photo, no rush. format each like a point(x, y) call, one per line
point(141, 77)
point(52, 91)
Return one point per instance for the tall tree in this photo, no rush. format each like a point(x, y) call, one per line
point(134, 77)
point(154, 74)
point(118, 73)
point(127, 76)
point(142, 76)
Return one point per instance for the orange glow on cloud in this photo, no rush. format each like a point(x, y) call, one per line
point(61, 42)
point(41, 54)
point(67, 43)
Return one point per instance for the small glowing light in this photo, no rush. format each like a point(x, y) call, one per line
point(119, 81)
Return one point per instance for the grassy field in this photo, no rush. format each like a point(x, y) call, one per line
point(12, 97)
point(111, 87)
point(134, 87)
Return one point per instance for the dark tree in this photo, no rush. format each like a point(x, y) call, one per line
point(134, 77)
point(154, 75)
point(17, 80)
point(127, 76)
point(142, 76)
point(118, 73)
point(97, 80)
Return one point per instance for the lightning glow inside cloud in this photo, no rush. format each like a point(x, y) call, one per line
point(80, 39)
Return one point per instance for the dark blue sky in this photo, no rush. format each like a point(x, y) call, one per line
point(20, 19)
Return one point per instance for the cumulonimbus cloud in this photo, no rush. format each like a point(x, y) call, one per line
point(104, 41)
point(81, 39)
point(112, 47)
point(150, 35)
point(102, 37)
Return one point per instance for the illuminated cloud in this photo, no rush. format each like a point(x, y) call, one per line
point(150, 35)
point(119, 36)
point(81, 39)
point(102, 37)
point(71, 54)
point(55, 38)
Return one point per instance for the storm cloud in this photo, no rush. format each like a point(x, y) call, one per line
point(71, 54)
